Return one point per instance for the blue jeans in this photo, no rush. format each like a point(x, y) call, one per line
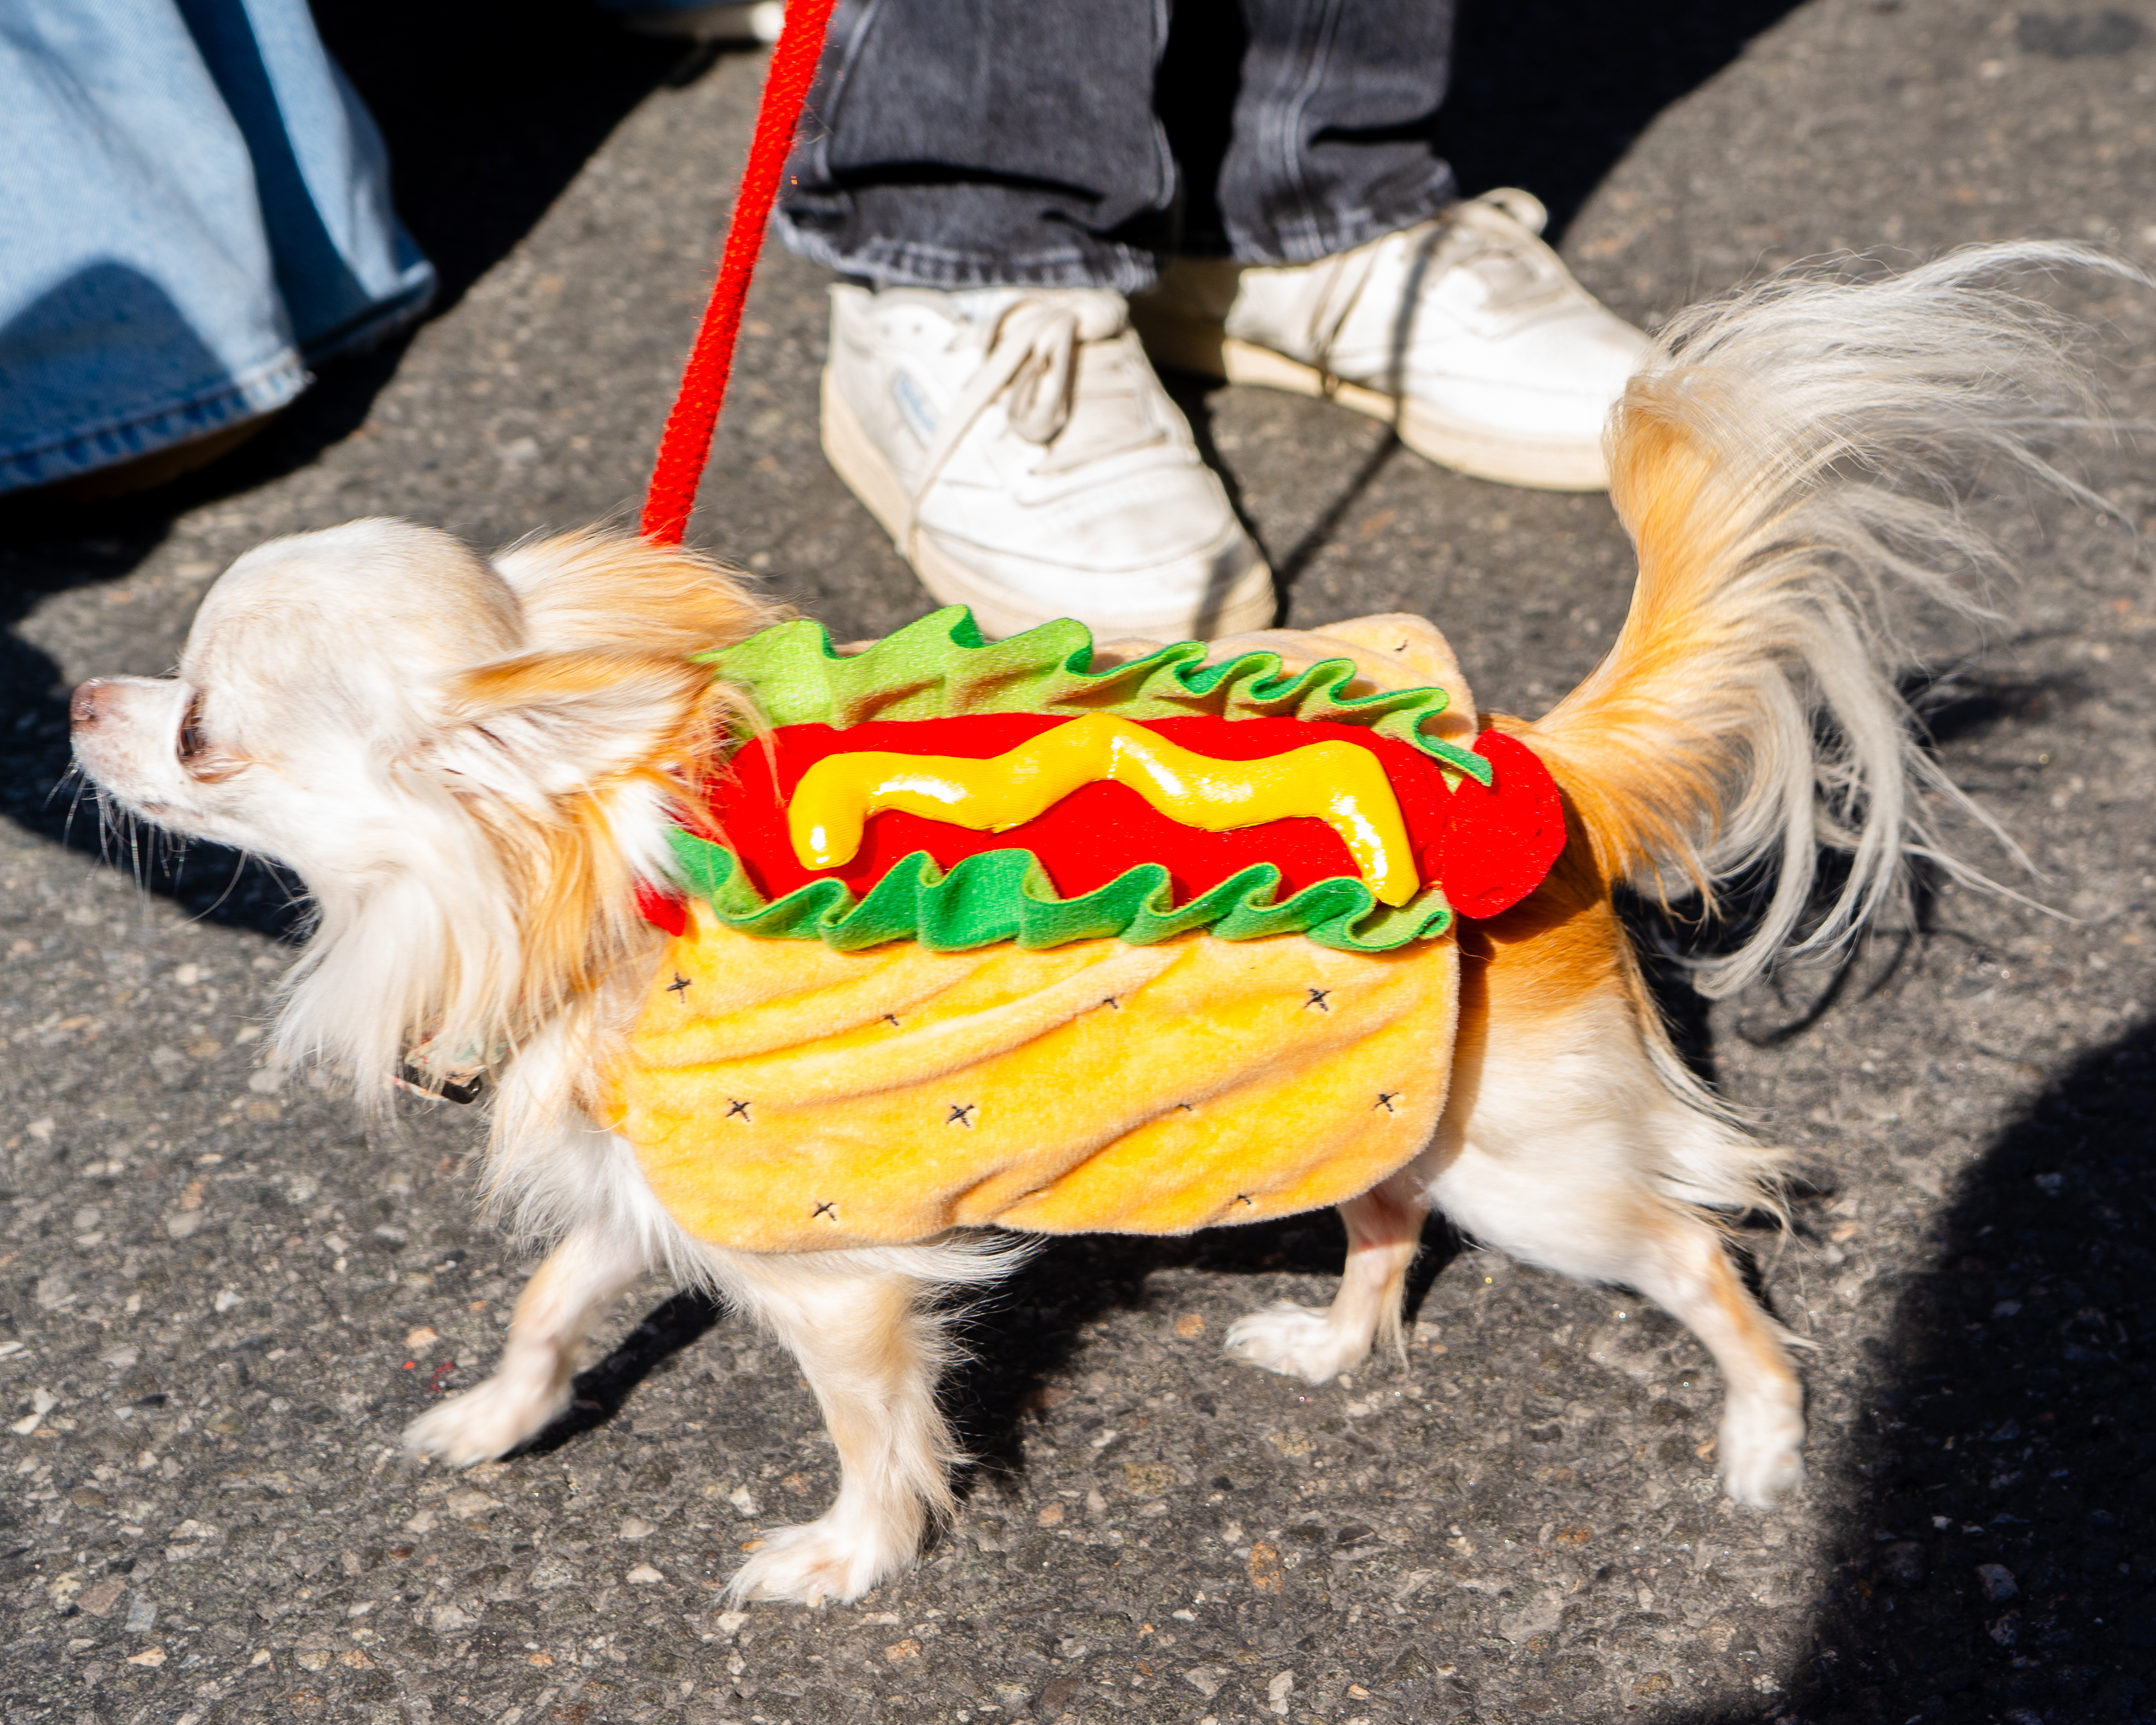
point(1073, 143)
point(194, 209)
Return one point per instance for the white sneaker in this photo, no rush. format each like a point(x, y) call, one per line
point(1027, 464)
point(1465, 331)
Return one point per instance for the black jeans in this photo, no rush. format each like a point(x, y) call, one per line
point(1073, 143)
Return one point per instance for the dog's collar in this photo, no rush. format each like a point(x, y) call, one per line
point(430, 1070)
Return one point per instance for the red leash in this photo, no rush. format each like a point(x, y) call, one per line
point(685, 444)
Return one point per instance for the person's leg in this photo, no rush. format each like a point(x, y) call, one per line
point(195, 210)
point(996, 173)
point(348, 272)
point(138, 305)
point(1352, 277)
point(1331, 142)
point(974, 143)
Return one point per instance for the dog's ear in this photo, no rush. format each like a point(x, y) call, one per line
point(548, 725)
point(600, 589)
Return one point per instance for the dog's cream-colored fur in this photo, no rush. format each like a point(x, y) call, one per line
point(471, 761)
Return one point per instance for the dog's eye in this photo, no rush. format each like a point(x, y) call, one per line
point(194, 740)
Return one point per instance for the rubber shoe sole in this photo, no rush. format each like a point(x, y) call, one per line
point(1248, 603)
point(1192, 344)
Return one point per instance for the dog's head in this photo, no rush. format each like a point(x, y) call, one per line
point(468, 761)
point(337, 686)
point(319, 680)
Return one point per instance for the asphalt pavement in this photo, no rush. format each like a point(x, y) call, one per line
point(220, 1299)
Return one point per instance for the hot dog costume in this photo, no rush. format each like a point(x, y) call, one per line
point(1012, 933)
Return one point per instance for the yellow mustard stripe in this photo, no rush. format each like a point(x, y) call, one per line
point(1337, 783)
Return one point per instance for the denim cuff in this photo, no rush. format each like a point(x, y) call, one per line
point(1327, 234)
point(1085, 260)
point(381, 320)
point(127, 433)
point(153, 427)
point(884, 262)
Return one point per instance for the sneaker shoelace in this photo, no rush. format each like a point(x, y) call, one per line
point(1042, 353)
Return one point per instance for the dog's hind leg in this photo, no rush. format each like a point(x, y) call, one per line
point(872, 1349)
point(1385, 1229)
point(1572, 1207)
point(1689, 1274)
point(530, 1388)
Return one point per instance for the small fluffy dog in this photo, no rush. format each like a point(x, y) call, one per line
point(473, 763)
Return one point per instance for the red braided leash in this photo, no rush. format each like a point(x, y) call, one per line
point(685, 444)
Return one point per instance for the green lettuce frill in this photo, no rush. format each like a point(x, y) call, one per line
point(940, 668)
point(1007, 896)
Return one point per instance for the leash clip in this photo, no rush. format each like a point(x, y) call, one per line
point(425, 1073)
point(447, 1088)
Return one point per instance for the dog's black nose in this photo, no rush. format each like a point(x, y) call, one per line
point(83, 708)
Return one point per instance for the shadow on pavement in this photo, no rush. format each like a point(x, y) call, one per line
point(1996, 1559)
point(600, 1392)
point(1550, 93)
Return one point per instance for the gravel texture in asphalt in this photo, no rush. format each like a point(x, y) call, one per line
point(220, 1299)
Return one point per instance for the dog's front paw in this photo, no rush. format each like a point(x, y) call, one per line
point(834, 1559)
point(1762, 1457)
point(487, 1422)
point(1295, 1340)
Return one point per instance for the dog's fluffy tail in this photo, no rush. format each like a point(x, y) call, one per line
point(1787, 469)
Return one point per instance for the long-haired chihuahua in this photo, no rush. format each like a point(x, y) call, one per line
point(474, 764)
